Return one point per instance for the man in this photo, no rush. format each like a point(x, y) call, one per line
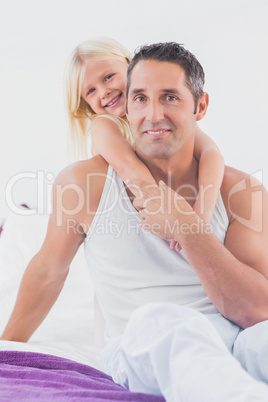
point(163, 310)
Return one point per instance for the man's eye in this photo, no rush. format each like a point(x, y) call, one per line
point(108, 77)
point(170, 98)
point(140, 99)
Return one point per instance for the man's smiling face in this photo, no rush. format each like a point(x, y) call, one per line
point(160, 109)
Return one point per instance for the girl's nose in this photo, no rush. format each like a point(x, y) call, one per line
point(105, 92)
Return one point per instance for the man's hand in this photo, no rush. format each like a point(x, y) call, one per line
point(164, 212)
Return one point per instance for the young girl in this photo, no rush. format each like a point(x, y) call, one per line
point(96, 87)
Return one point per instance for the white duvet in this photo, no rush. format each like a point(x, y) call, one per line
point(68, 329)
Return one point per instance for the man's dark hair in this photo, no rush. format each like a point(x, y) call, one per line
point(174, 53)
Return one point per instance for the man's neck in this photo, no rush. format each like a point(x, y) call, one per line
point(181, 174)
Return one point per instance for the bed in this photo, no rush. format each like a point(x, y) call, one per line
point(61, 362)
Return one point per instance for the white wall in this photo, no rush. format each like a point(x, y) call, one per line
point(229, 37)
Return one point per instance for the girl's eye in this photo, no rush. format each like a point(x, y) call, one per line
point(90, 91)
point(108, 77)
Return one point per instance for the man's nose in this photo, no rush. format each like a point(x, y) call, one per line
point(155, 112)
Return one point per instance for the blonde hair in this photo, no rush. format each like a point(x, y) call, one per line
point(80, 113)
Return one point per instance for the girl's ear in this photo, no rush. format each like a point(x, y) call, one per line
point(202, 106)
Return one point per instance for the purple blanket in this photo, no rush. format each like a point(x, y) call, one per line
point(27, 376)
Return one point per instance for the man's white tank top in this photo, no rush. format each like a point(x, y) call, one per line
point(130, 266)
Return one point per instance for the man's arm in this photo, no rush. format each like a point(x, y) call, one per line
point(45, 275)
point(234, 275)
point(41, 285)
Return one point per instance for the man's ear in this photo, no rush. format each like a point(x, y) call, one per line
point(202, 106)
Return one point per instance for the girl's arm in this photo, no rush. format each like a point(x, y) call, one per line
point(108, 141)
point(211, 170)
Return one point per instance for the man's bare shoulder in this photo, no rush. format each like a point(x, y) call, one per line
point(237, 188)
point(78, 187)
point(78, 172)
point(246, 203)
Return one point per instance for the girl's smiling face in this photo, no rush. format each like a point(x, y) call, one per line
point(104, 86)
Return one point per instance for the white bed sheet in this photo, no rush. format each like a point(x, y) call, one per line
point(68, 330)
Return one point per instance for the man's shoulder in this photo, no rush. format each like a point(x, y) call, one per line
point(78, 173)
point(79, 186)
point(236, 190)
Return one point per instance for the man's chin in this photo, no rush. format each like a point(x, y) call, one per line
point(151, 153)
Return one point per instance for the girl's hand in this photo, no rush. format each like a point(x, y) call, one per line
point(136, 190)
point(176, 245)
point(164, 212)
